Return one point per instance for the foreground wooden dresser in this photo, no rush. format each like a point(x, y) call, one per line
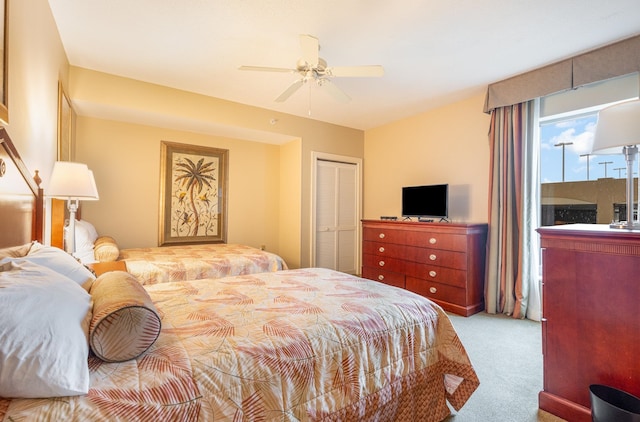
point(442, 261)
point(591, 322)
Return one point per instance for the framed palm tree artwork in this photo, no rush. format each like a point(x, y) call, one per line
point(193, 194)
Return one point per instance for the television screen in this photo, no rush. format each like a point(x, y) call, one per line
point(425, 201)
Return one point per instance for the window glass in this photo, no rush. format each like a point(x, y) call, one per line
point(576, 186)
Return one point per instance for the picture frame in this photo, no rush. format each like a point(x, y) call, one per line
point(65, 126)
point(4, 82)
point(193, 194)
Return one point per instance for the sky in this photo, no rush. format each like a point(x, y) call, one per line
point(578, 131)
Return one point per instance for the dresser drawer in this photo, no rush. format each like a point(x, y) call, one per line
point(391, 250)
point(390, 264)
point(442, 275)
point(387, 277)
point(441, 258)
point(437, 291)
point(437, 240)
point(383, 235)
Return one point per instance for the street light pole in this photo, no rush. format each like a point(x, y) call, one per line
point(563, 145)
point(587, 155)
point(605, 166)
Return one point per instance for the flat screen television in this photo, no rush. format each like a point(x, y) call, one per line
point(429, 201)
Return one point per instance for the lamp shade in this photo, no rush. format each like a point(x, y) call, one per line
point(618, 126)
point(94, 187)
point(71, 180)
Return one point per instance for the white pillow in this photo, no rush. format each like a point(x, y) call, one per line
point(43, 326)
point(86, 236)
point(61, 262)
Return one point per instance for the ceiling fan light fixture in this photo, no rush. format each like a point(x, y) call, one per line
point(312, 67)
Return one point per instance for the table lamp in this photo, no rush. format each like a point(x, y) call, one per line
point(618, 132)
point(73, 182)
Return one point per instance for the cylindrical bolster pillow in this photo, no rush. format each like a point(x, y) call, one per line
point(125, 322)
point(105, 249)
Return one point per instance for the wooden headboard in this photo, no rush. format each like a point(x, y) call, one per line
point(21, 198)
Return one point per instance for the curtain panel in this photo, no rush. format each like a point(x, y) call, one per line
point(618, 59)
point(504, 289)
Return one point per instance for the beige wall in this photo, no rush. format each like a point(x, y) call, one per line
point(141, 114)
point(36, 63)
point(290, 202)
point(125, 159)
point(445, 145)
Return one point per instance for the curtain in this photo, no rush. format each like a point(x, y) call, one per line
point(512, 280)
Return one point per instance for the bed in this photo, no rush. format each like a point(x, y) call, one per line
point(191, 262)
point(152, 265)
point(305, 344)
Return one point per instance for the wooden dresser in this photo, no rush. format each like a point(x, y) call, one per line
point(591, 323)
point(442, 261)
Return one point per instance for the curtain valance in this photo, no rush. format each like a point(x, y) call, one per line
point(620, 58)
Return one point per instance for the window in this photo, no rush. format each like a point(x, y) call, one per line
point(575, 186)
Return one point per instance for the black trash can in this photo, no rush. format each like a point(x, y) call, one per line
point(609, 404)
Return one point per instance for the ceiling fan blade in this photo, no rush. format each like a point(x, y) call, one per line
point(356, 71)
point(333, 90)
point(310, 49)
point(289, 91)
point(267, 69)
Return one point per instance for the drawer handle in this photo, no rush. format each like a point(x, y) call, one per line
point(381, 263)
point(381, 249)
point(380, 277)
point(432, 273)
point(432, 290)
point(381, 235)
point(432, 257)
point(433, 240)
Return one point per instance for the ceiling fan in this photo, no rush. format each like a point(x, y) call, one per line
point(313, 68)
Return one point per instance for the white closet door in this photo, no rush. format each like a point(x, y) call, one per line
point(336, 216)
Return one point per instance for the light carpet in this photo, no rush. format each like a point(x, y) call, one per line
point(507, 356)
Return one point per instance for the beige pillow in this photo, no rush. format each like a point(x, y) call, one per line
point(105, 249)
point(125, 321)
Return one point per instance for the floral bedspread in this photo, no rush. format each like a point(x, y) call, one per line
point(193, 262)
point(296, 345)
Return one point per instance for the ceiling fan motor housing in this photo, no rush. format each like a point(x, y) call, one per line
point(302, 66)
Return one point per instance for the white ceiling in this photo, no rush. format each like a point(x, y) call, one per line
point(433, 52)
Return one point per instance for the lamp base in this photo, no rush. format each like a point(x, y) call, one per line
point(623, 225)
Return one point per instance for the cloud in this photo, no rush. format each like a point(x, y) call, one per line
point(581, 142)
point(566, 123)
